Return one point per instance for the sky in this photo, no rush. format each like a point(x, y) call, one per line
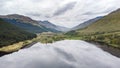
point(67, 13)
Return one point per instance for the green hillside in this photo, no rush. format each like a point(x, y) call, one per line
point(108, 23)
point(29, 26)
point(105, 30)
point(10, 34)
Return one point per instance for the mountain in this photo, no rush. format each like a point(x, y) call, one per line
point(10, 34)
point(20, 18)
point(109, 23)
point(87, 23)
point(26, 23)
point(29, 27)
point(52, 26)
point(105, 30)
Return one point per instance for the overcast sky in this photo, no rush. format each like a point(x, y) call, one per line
point(68, 13)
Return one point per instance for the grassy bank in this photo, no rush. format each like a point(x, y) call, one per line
point(16, 46)
point(108, 38)
point(43, 38)
point(49, 37)
point(111, 39)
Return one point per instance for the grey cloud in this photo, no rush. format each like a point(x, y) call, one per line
point(36, 0)
point(47, 16)
point(90, 13)
point(64, 9)
point(105, 11)
point(33, 14)
point(69, 15)
point(2, 2)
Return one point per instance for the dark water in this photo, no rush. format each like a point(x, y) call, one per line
point(62, 54)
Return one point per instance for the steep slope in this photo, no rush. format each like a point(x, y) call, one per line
point(87, 23)
point(10, 34)
point(108, 23)
point(29, 27)
point(20, 18)
point(52, 26)
point(105, 30)
point(26, 23)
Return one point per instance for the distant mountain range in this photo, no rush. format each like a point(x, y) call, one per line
point(87, 23)
point(52, 26)
point(31, 25)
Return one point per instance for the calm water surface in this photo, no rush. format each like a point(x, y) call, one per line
point(61, 54)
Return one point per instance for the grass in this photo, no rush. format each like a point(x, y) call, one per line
point(49, 37)
point(111, 39)
point(106, 30)
point(16, 46)
point(12, 48)
point(43, 38)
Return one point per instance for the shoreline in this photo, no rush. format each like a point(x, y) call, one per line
point(27, 46)
point(110, 49)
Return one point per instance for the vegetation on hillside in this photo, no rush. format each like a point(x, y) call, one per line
point(29, 27)
point(109, 23)
point(46, 37)
point(105, 30)
point(10, 34)
point(112, 39)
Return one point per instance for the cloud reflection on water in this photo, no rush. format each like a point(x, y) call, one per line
point(62, 54)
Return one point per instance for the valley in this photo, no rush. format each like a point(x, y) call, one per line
point(59, 33)
point(94, 31)
point(105, 30)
